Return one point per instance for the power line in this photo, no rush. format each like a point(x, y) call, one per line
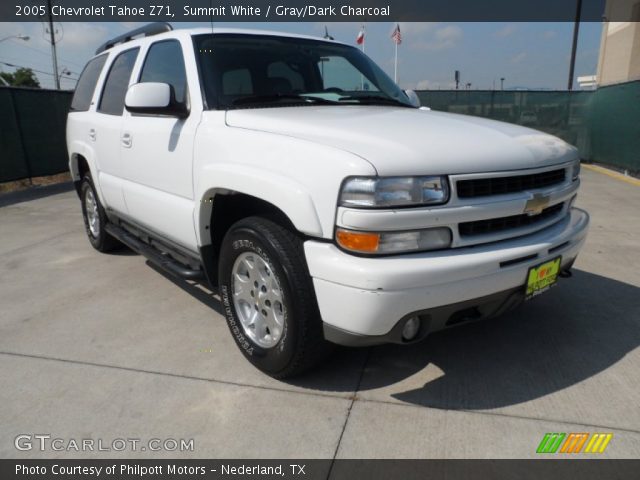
point(47, 54)
point(36, 63)
point(34, 70)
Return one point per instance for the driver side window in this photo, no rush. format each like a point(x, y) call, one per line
point(165, 64)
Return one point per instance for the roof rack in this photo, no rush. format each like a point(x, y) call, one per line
point(147, 31)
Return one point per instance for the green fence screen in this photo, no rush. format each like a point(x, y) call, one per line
point(32, 132)
point(604, 124)
point(614, 126)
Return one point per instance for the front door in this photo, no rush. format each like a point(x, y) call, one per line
point(157, 153)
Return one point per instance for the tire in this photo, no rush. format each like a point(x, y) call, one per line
point(95, 218)
point(286, 337)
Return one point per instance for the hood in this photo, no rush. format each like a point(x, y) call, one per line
point(405, 141)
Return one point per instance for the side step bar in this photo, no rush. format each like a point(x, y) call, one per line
point(154, 255)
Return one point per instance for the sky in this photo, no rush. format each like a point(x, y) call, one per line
point(529, 55)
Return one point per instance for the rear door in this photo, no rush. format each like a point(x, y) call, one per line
point(107, 126)
point(80, 120)
point(157, 151)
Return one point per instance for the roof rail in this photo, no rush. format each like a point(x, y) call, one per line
point(147, 31)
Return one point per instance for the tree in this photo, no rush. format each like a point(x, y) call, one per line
point(22, 77)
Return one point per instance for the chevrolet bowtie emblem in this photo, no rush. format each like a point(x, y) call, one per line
point(536, 204)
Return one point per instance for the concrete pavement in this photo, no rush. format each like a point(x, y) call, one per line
point(106, 347)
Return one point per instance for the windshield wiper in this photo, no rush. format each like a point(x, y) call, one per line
point(375, 99)
point(277, 97)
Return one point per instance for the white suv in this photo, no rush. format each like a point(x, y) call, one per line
point(318, 198)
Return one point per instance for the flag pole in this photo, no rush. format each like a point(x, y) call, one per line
point(395, 67)
point(364, 40)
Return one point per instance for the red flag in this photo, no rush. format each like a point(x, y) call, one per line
point(396, 35)
point(360, 37)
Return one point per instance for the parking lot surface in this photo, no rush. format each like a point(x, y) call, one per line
point(106, 347)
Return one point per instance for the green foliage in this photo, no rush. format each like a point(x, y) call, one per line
point(22, 77)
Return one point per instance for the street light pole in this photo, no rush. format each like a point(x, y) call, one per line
point(65, 71)
point(501, 83)
point(19, 37)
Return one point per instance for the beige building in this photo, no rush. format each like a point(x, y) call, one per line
point(620, 44)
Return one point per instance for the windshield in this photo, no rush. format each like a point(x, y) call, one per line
point(257, 71)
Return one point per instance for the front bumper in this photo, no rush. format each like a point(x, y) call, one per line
point(371, 297)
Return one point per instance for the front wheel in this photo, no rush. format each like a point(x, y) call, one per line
point(268, 298)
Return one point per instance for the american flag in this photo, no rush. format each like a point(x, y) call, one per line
point(396, 35)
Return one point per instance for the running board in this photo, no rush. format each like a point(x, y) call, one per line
point(152, 254)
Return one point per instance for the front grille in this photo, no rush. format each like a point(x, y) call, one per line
point(483, 187)
point(494, 225)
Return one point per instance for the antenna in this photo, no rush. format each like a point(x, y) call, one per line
point(211, 15)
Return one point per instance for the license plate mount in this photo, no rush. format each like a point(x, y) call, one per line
point(542, 277)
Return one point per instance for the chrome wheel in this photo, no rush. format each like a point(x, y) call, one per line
point(91, 211)
point(257, 297)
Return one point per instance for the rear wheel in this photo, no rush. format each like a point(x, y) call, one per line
point(268, 298)
point(95, 218)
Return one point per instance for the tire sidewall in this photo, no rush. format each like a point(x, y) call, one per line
point(246, 239)
point(87, 185)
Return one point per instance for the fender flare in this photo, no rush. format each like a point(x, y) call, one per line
point(81, 148)
point(284, 193)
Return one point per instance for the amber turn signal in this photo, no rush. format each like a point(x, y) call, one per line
point(364, 242)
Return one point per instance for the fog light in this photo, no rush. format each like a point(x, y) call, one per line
point(410, 329)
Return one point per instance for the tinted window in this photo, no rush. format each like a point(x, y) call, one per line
point(259, 71)
point(87, 84)
point(282, 72)
point(337, 72)
point(165, 64)
point(237, 82)
point(115, 88)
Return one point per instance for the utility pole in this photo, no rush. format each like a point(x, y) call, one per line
point(574, 47)
point(52, 37)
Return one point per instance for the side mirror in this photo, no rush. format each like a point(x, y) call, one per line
point(413, 98)
point(152, 98)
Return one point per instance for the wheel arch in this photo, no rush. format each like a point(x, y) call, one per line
point(219, 210)
point(78, 167)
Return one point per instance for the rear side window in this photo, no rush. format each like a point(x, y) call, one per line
point(87, 84)
point(165, 64)
point(117, 83)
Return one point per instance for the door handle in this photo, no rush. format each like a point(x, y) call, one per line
point(92, 134)
point(126, 140)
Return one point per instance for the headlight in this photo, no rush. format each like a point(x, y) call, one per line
point(394, 242)
point(575, 170)
point(370, 192)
